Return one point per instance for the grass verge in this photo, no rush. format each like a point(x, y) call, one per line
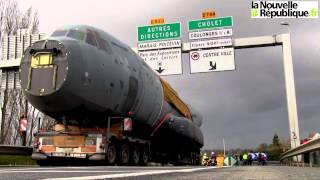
point(16, 160)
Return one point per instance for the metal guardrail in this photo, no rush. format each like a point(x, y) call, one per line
point(15, 150)
point(304, 148)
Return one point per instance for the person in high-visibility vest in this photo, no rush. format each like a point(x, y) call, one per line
point(245, 158)
point(205, 159)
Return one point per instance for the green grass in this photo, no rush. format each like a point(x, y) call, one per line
point(16, 160)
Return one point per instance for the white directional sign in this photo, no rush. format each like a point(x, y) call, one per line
point(210, 34)
point(159, 45)
point(211, 43)
point(163, 62)
point(212, 60)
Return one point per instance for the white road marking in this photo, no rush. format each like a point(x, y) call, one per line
point(59, 167)
point(94, 167)
point(153, 172)
point(37, 168)
point(57, 171)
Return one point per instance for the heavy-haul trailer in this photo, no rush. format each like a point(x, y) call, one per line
point(105, 145)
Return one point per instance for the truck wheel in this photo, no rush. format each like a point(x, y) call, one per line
point(135, 155)
point(144, 156)
point(111, 153)
point(124, 153)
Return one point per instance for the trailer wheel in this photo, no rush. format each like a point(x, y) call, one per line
point(144, 155)
point(124, 153)
point(111, 153)
point(135, 155)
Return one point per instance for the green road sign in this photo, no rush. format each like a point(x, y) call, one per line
point(211, 23)
point(159, 32)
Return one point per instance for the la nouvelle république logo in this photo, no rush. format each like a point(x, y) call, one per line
point(284, 9)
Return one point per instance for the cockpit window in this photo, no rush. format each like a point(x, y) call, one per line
point(76, 34)
point(57, 33)
point(94, 39)
point(104, 45)
point(91, 38)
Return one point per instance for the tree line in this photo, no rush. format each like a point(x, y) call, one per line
point(12, 18)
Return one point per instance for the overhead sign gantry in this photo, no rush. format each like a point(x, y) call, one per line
point(223, 46)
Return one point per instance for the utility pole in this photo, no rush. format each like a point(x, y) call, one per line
point(224, 147)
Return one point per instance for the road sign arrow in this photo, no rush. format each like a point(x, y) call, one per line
point(213, 66)
point(160, 70)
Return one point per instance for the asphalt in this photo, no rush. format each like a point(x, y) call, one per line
point(161, 173)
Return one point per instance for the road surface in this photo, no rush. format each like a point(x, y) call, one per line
point(161, 173)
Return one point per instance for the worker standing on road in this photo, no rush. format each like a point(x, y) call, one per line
point(263, 159)
point(213, 159)
point(250, 158)
point(205, 159)
point(259, 158)
point(245, 158)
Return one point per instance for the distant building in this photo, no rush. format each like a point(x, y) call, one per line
point(315, 136)
point(11, 53)
point(311, 137)
point(12, 50)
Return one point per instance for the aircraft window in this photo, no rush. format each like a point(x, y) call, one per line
point(91, 38)
point(104, 45)
point(57, 33)
point(75, 34)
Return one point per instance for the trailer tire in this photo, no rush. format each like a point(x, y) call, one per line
point(111, 154)
point(144, 155)
point(124, 154)
point(135, 155)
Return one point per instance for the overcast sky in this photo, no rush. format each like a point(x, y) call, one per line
point(246, 106)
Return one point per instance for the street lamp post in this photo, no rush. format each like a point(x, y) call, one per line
point(224, 147)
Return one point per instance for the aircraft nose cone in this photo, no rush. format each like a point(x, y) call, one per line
point(44, 67)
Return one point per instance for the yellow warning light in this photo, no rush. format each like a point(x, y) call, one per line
point(156, 21)
point(208, 14)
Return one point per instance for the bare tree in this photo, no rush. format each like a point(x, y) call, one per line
point(10, 117)
point(12, 19)
point(4, 95)
point(2, 17)
point(35, 23)
point(11, 14)
point(26, 19)
point(30, 21)
point(12, 109)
